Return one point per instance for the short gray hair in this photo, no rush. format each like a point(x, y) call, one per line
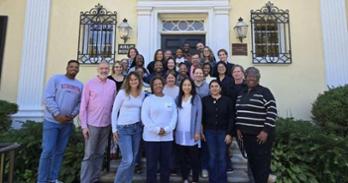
point(253, 71)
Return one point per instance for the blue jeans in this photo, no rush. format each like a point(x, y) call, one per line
point(55, 138)
point(217, 155)
point(130, 136)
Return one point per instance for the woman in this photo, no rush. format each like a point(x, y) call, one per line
point(159, 115)
point(217, 124)
point(126, 125)
point(188, 130)
point(223, 57)
point(183, 73)
point(139, 62)
point(238, 77)
point(226, 81)
point(170, 88)
point(117, 75)
point(132, 53)
point(159, 56)
point(179, 56)
point(207, 71)
point(208, 56)
point(255, 123)
point(171, 65)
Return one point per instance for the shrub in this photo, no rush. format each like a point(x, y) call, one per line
point(303, 152)
point(6, 109)
point(330, 110)
point(27, 157)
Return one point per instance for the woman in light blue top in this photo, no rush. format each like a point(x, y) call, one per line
point(126, 125)
point(188, 129)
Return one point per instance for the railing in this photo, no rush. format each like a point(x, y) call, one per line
point(9, 149)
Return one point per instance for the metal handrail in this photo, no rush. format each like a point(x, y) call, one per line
point(7, 148)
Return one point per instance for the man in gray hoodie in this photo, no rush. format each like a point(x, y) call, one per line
point(62, 104)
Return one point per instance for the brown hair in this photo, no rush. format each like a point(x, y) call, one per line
point(126, 86)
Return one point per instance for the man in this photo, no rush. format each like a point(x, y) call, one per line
point(62, 104)
point(187, 51)
point(223, 57)
point(157, 71)
point(95, 116)
point(195, 61)
point(199, 48)
point(256, 113)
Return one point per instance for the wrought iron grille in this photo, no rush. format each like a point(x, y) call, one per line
point(270, 32)
point(97, 36)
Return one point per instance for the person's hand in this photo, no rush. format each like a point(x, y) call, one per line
point(228, 139)
point(262, 137)
point(62, 118)
point(116, 136)
point(203, 137)
point(85, 133)
point(162, 132)
point(197, 137)
point(239, 135)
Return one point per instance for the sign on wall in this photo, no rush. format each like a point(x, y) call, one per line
point(240, 49)
point(123, 48)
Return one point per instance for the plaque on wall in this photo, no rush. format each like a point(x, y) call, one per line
point(239, 49)
point(123, 48)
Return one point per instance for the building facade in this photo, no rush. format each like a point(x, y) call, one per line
point(301, 51)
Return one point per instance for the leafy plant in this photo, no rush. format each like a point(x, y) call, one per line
point(303, 152)
point(6, 109)
point(330, 110)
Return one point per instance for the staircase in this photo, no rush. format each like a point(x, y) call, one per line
point(238, 175)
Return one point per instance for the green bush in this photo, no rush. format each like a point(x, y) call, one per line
point(27, 157)
point(330, 110)
point(6, 109)
point(303, 152)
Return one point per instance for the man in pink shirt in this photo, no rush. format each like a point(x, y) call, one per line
point(95, 115)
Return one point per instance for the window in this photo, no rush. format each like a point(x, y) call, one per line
point(3, 27)
point(97, 36)
point(270, 35)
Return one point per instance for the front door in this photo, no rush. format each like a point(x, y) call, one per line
point(173, 42)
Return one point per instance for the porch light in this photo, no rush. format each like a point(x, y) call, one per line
point(241, 29)
point(124, 28)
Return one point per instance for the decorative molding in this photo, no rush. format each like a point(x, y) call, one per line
point(335, 40)
point(33, 61)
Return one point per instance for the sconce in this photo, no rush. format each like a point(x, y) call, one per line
point(241, 29)
point(124, 28)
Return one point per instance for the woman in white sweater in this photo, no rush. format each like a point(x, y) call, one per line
point(126, 125)
point(159, 116)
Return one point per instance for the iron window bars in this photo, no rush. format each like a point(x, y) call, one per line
point(270, 33)
point(97, 36)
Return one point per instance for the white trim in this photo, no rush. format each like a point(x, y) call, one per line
point(149, 11)
point(33, 61)
point(335, 40)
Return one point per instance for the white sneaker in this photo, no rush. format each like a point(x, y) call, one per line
point(186, 181)
point(204, 173)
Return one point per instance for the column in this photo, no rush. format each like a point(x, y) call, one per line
point(221, 29)
point(33, 61)
point(144, 32)
point(335, 40)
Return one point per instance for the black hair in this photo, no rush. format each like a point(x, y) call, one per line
point(222, 50)
point(156, 52)
point(181, 92)
point(215, 81)
point(132, 48)
point(156, 78)
point(221, 63)
point(73, 61)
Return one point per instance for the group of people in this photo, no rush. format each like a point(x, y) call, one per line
point(185, 108)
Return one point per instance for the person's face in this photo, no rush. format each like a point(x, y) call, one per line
point(237, 73)
point(179, 53)
point(186, 87)
point(183, 70)
point(199, 46)
point(159, 55)
point(168, 54)
point(133, 81)
point(206, 70)
point(198, 75)
point(103, 70)
point(139, 61)
point(222, 56)
point(157, 87)
point(251, 81)
point(171, 64)
point(186, 47)
point(215, 88)
point(132, 53)
point(140, 71)
point(221, 69)
point(118, 69)
point(170, 80)
point(124, 63)
point(206, 52)
point(72, 69)
point(195, 60)
point(158, 67)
